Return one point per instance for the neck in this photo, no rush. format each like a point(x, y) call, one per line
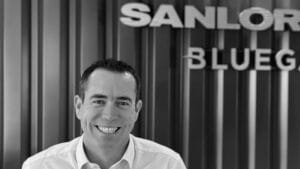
point(104, 155)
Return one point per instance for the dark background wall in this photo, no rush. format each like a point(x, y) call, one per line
point(215, 119)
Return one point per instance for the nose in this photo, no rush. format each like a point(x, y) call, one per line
point(108, 112)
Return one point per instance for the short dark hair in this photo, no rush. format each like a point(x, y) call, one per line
point(110, 65)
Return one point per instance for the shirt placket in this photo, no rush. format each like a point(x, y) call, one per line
point(93, 166)
point(120, 165)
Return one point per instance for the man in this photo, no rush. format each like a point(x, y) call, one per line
point(108, 106)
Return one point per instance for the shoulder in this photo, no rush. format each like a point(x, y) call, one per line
point(151, 147)
point(55, 153)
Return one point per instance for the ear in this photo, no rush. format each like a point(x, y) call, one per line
point(138, 107)
point(78, 105)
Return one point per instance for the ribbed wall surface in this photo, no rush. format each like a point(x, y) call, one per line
point(216, 119)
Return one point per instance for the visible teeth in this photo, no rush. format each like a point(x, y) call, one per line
point(108, 130)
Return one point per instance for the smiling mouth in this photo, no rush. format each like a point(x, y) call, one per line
point(108, 130)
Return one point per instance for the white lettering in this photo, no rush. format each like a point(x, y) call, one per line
point(246, 61)
point(197, 54)
point(166, 15)
point(255, 18)
point(287, 16)
point(245, 19)
point(135, 14)
point(215, 64)
point(259, 59)
point(291, 61)
point(223, 20)
point(192, 14)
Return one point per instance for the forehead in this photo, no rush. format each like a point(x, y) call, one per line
point(102, 81)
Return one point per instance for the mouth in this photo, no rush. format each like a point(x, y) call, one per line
point(108, 130)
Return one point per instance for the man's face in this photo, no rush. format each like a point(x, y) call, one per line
point(109, 109)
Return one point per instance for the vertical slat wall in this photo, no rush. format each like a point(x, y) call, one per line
point(12, 83)
point(215, 119)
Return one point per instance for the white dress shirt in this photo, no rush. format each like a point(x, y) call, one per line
point(140, 154)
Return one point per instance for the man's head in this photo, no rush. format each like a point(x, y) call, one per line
point(108, 106)
point(110, 65)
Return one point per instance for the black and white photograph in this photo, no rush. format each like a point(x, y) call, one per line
point(152, 84)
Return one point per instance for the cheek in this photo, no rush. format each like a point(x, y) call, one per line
point(86, 119)
point(83, 124)
point(132, 117)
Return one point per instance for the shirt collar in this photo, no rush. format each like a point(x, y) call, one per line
point(80, 154)
point(129, 153)
point(82, 158)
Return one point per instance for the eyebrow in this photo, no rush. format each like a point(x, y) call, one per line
point(99, 96)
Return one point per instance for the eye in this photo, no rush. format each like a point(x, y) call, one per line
point(99, 102)
point(123, 103)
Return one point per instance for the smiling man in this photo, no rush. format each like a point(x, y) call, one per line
point(108, 106)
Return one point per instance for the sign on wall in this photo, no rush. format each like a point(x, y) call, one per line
point(216, 18)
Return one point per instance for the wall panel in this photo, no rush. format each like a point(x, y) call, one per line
point(73, 64)
point(12, 83)
point(51, 77)
point(88, 32)
point(216, 119)
point(1, 79)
